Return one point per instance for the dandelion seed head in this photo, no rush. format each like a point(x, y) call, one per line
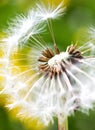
point(52, 83)
point(56, 62)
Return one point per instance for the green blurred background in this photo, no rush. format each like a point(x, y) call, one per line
point(80, 14)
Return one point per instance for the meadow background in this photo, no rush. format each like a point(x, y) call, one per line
point(72, 27)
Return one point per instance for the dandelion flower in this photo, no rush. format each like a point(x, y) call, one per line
point(54, 83)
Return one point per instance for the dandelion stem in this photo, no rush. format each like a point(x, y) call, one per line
point(63, 126)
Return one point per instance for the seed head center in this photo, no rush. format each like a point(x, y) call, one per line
point(58, 58)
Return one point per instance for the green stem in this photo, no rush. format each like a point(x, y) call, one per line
point(64, 125)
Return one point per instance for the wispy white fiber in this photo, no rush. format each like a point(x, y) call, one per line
point(23, 27)
point(91, 31)
point(50, 11)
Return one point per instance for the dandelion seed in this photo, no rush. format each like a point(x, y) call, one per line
point(22, 28)
point(50, 11)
